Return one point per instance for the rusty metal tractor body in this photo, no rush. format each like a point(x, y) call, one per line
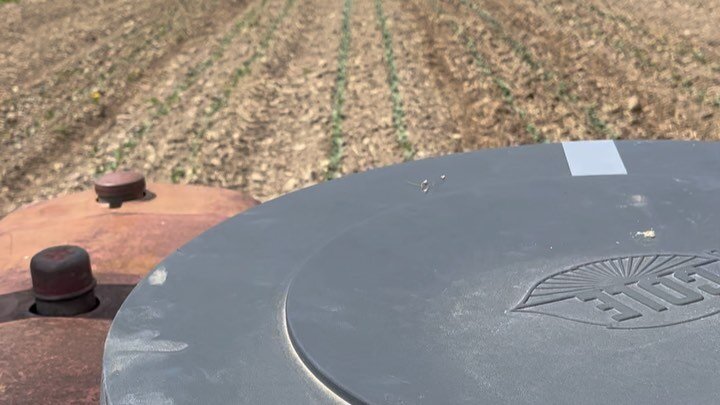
point(126, 228)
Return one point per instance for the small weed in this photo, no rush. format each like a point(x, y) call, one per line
point(562, 91)
point(700, 57)
point(505, 90)
point(118, 157)
point(520, 50)
point(95, 96)
point(173, 98)
point(218, 102)
point(62, 130)
point(598, 124)
point(536, 135)
point(133, 76)
point(160, 107)
point(177, 175)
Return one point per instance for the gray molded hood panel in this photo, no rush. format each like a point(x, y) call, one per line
point(538, 274)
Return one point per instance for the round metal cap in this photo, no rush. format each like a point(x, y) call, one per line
point(120, 186)
point(61, 273)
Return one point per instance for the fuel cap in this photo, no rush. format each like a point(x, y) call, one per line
point(62, 281)
point(118, 187)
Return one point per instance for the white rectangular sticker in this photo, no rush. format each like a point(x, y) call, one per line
point(593, 158)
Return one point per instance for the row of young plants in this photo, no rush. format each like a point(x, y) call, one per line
point(398, 109)
point(338, 98)
point(334, 168)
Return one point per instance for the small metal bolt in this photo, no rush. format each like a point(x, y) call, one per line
point(118, 187)
point(62, 280)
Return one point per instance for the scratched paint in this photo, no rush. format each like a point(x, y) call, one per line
point(158, 276)
point(131, 350)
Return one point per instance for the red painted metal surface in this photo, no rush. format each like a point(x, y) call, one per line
point(57, 360)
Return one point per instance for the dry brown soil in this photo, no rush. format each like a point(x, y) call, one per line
point(244, 93)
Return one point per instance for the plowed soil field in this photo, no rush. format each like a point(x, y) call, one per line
point(268, 96)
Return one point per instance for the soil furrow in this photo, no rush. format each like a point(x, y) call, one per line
point(674, 59)
point(282, 133)
point(538, 109)
point(449, 107)
point(201, 151)
point(168, 143)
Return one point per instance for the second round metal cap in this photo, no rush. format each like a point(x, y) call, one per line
point(61, 272)
point(120, 186)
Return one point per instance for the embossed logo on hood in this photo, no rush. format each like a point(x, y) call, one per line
point(631, 292)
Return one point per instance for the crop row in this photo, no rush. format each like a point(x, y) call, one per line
point(338, 100)
point(398, 110)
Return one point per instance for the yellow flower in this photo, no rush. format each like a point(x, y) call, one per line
point(95, 95)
